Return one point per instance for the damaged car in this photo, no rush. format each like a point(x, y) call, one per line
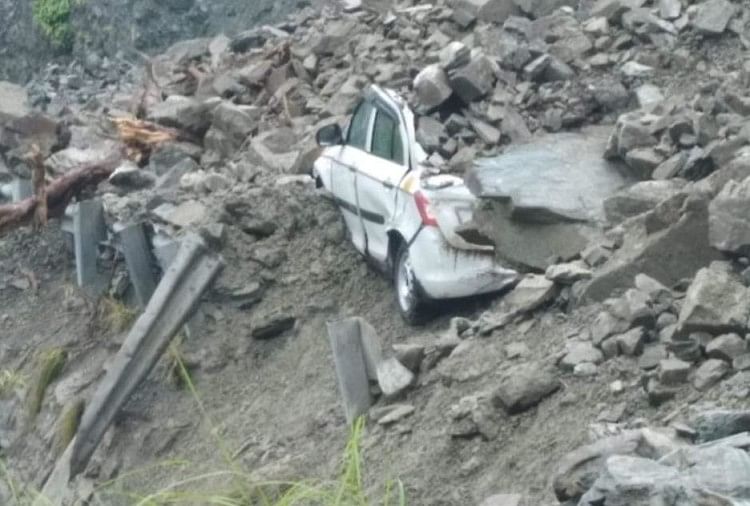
point(403, 214)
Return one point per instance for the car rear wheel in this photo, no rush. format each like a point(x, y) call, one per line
point(411, 302)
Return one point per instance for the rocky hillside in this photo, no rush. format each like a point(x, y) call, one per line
point(113, 29)
point(617, 374)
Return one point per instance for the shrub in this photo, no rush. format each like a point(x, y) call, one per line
point(53, 17)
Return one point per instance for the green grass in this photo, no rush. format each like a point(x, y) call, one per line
point(115, 316)
point(229, 485)
point(49, 364)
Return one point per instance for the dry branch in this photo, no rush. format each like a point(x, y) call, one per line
point(51, 200)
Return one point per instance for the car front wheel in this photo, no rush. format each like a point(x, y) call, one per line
point(411, 302)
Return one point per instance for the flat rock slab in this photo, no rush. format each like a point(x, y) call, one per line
point(563, 173)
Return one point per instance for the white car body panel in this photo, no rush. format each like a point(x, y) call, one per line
point(445, 264)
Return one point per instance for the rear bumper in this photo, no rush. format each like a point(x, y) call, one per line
point(445, 272)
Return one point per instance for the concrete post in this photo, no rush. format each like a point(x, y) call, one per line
point(88, 230)
point(139, 261)
point(351, 367)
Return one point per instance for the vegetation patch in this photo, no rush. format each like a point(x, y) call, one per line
point(67, 425)
point(115, 316)
point(53, 17)
point(49, 365)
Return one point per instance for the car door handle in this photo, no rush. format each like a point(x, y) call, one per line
point(388, 184)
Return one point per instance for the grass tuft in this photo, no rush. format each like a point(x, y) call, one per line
point(115, 316)
point(49, 365)
point(67, 426)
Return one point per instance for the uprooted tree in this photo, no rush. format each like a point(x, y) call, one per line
point(51, 199)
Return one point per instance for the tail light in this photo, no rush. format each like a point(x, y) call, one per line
point(425, 211)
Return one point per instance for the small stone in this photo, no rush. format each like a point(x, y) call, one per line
point(585, 369)
point(516, 350)
point(665, 320)
point(673, 372)
point(411, 355)
point(658, 394)
point(503, 500)
point(395, 413)
point(579, 352)
point(635, 69)
point(651, 357)
point(568, 274)
point(726, 347)
point(272, 325)
point(631, 342)
point(393, 377)
point(710, 373)
point(454, 55)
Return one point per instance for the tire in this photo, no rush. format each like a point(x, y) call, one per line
point(410, 299)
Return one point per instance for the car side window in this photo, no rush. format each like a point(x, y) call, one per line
point(386, 138)
point(359, 125)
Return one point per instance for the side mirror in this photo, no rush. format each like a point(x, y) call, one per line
point(329, 136)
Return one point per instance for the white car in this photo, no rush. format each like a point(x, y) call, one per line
point(401, 213)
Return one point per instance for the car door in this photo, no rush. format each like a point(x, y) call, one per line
point(379, 174)
point(343, 175)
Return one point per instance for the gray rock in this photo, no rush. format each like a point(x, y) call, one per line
point(716, 302)
point(610, 9)
point(514, 126)
point(393, 377)
point(534, 70)
point(432, 87)
point(713, 16)
point(530, 293)
point(235, 120)
point(272, 325)
point(631, 133)
point(489, 11)
point(726, 347)
point(131, 177)
point(651, 356)
point(489, 134)
point(454, 55)
point(710, 373)
point(657, 293)
point(606, 325)
point(334, 38)
point(188, 213)
point(410, 355)
point(666, 320)
point(670, 9)
point(643, 162)
point(431, 133)
point(524, 386)
point(585, 369)
point(741, 362)
point(184, 113)
point(578, 352)
point(729, 229)
point(635, 69)
point(633, 481)
point(611, 94)
point(670, 167)
point(717, 424)
point(631, 343)
point(474, 80)
point(673, 372)
point(568, 274)
point(649, 96)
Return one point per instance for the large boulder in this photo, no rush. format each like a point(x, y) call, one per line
point(474, 80)
point(716, 302)
point(728, 225)
point(432, 87)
